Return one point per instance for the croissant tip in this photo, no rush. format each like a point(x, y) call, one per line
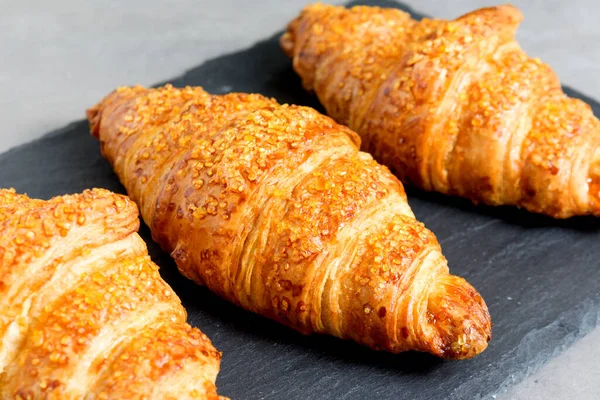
point(93, 116)
point(462, 322)
point(501, 14)
point(286, 41)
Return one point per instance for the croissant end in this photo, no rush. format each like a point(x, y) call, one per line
point(93, 115)
point(594, 183)
point(287, 42)
point(461, 321)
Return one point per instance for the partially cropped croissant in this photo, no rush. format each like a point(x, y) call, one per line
point(274, 208)
point(83, 310)
point(452, 106)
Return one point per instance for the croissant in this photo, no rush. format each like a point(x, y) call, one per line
point(452, 106)
point(274, 208)
point(84, 312)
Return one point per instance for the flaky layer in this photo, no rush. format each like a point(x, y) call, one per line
point(452, 106)
point(274, 208)
point(83, 309)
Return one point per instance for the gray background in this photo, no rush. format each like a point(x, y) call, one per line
point(59, 57)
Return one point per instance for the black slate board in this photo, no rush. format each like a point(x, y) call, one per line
point(538, 276)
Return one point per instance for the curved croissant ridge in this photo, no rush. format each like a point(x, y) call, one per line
point(452, 106)
point(274, 208)
point(83, 310)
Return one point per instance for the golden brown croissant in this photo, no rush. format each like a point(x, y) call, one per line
point(452, 106)
point(84, 312)
point(274, 208)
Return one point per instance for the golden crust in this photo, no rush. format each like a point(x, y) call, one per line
point(77, 291)
point(274, 208)
point(452, 106)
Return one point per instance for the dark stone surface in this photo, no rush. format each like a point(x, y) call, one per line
point(538, 276)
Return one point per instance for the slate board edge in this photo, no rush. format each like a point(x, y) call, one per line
point(590, 319)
